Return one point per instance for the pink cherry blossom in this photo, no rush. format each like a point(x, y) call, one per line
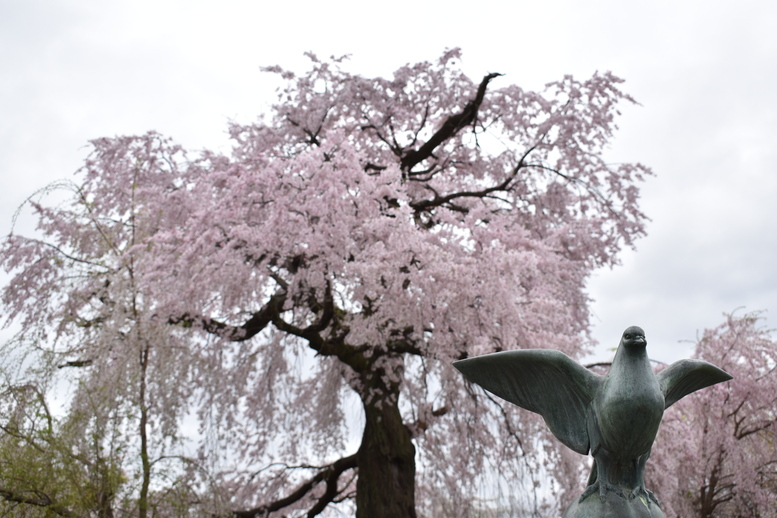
point(359, 238)
point(715, 452)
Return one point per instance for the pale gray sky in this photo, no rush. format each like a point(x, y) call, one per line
point(704, 72)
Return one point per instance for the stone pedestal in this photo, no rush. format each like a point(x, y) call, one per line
point(614, 507)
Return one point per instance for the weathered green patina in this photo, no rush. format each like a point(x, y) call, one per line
point(614, 417)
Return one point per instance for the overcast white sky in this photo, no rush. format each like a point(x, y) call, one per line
point(704, 73)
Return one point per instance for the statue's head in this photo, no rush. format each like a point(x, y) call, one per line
point(634, 337)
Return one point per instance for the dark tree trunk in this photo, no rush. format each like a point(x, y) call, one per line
point(386, 458)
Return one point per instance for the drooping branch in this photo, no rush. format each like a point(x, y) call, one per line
point(401, 341)
point(329, 475)
point(421, 425)
point(250, 328)
point(37, 499)
point(335, 346)
point(76, 363)
point(452, 125)
point(326, 308)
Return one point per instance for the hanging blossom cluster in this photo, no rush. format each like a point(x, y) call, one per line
point(358, 238)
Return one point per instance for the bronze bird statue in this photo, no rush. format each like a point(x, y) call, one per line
point(615, 417)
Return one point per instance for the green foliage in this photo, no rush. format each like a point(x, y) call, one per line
point(48, 466)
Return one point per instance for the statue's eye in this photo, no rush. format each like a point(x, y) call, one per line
point(627, 336)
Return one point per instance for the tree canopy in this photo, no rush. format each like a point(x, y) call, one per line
point(216, 321)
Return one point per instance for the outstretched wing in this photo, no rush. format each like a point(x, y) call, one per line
point(541, 380)
point(686, 376)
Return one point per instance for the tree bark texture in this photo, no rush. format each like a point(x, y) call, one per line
point(386, 484)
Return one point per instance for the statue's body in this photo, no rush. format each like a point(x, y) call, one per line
point(614, 417)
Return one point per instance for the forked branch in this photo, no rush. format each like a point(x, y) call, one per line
point(329, 475)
